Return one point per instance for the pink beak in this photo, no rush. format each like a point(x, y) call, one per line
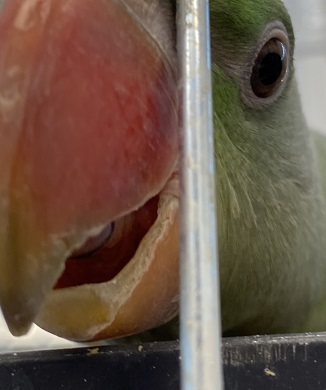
point(88, 134)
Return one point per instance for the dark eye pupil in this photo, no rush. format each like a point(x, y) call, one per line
point(269, 69)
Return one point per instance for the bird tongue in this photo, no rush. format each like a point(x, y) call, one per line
point(102, 257)
point(88, 133)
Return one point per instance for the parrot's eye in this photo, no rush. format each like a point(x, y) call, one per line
point(267, 71)
point(270, 68)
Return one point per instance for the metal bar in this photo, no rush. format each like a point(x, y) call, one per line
point(276, 362)
point(201, 366)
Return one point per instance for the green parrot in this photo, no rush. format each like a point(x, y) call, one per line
point(89, 162)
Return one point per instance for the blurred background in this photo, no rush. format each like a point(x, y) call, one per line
point(309, 19)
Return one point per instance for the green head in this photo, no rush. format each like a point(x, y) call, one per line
point(267, 191)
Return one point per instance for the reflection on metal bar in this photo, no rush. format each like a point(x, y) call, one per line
point(200, 318)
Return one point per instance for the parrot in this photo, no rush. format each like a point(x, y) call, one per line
point(90, 139)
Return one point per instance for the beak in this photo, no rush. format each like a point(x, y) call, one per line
point(88, 135)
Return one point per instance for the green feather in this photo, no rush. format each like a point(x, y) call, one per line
point(271, 209)
point(270, 171)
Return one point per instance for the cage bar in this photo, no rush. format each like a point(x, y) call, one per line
point(283, 362)
point(200, 312)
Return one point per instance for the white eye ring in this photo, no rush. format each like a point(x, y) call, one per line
point(276, 36)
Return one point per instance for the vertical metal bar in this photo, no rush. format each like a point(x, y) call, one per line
point(200, 309)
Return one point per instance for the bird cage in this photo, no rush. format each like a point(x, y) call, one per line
point(202, 360)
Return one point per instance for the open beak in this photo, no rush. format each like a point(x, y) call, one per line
point(88, 155)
